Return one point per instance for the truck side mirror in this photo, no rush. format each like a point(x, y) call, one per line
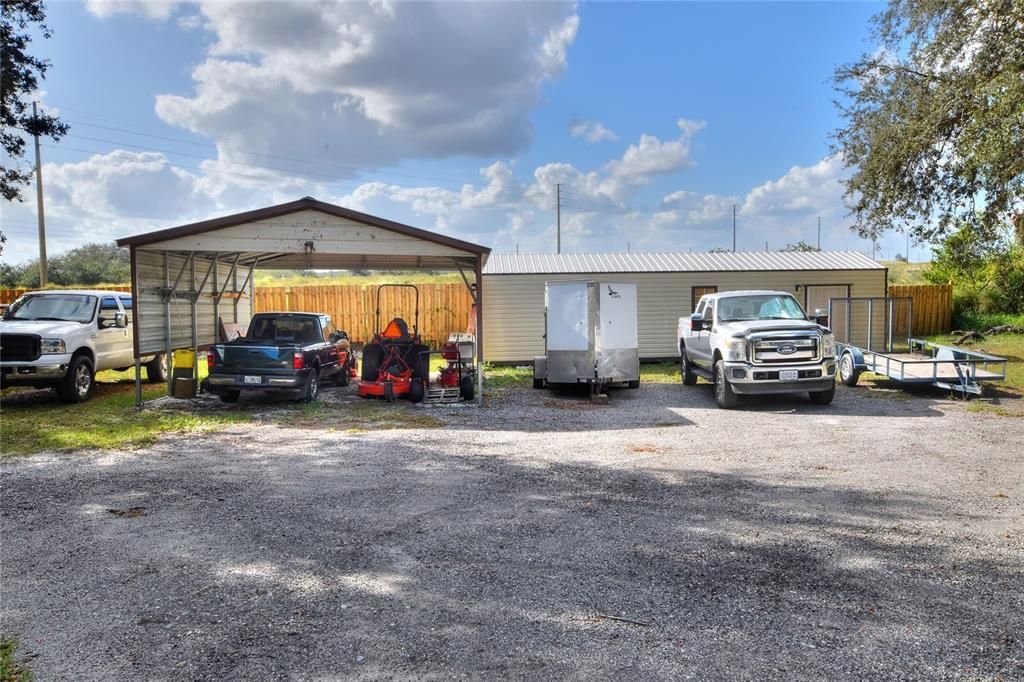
point(821, 316)
point(120, 320)
point(696, 322)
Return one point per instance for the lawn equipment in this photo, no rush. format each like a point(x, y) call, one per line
point(395, 363)
point(457, 379)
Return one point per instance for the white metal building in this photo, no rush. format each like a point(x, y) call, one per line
point(668, 286)
point(188, 279)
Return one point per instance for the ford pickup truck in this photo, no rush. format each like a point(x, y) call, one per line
point(757, 342)
point(61, 338)
point(281, 352)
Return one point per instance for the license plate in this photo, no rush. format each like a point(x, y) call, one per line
point(253, 380)
point(784, 375)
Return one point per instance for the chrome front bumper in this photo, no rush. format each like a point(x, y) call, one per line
point(749, 379)
point(48, 368)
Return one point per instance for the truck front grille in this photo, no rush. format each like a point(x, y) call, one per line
point(784, 349)
point(19, 347)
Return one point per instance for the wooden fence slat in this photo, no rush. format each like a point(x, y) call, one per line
point(933, 307)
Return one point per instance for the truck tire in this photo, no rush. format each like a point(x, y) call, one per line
point(823, 397)
point(77, 384)
point(724, 395)
point(156, 369)
point(848, 372)
point(311, 389)
point(230, 396)
point(341, 377)
point(686, 368)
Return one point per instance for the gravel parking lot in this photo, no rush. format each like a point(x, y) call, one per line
point(539, 537)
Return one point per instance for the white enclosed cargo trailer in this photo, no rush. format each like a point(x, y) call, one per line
point(590, 335)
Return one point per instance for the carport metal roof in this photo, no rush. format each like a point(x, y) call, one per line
point(184, 278)
point(272, 237)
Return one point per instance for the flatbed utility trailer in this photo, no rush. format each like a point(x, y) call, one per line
point(869, 338)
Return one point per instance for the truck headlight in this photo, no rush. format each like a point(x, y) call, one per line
point(52, 346)
point(828, 346)
point(735, 349)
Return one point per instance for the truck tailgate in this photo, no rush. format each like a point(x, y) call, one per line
point(242, 358)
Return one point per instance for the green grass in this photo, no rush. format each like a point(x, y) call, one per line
point(906, 273)
point(12, 670)
point(967, 319)
point(40, 422)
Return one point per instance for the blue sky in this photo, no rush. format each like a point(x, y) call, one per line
point(655, 118)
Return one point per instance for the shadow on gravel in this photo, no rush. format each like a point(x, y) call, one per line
point(411, 562)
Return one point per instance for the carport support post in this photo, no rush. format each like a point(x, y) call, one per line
point(195, 321)
point(167, 323)
point(478, 272)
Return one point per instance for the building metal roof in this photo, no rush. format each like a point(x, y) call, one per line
point(751, 261)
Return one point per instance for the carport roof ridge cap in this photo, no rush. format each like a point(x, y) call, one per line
point(750, 261)
point(303, 204)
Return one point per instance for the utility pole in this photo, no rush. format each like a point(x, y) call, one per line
point(558, 218)
point(39, 204)
point(766, 246)
point(627, 247)
point(819, 233)
point(734, 228)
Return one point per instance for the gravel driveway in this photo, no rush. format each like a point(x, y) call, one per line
point(539, 537)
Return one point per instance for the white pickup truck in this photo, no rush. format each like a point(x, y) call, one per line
point(757, 342)
point(61, 338)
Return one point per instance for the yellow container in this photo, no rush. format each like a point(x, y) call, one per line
point(184, 359)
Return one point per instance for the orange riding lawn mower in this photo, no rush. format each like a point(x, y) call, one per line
point(396, 363)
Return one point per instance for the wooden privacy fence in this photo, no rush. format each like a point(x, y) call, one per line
point(444, 308)
point(932, 306)
point(11, 295)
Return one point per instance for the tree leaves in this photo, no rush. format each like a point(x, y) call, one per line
point(935, 119)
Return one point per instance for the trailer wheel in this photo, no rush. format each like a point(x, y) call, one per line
point(848, 372)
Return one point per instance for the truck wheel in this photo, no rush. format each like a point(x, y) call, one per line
point(312, 387)
point(823, 397)
point(77, 383)
point(538, 383)
point(724, 395)
point(230, 396)
point(156, 369)
point(847, 370)
point(341, 377)
point(686, 369)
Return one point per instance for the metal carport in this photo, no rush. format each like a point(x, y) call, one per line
point(184, 279)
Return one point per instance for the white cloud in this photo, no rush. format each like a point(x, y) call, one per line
point(370, 84)
point(151, 9)
point(700, 208)
point(592, 131)
point(802, 191)
point(651, 156)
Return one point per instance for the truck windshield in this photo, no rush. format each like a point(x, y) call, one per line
point(53, 307)
point(759, 307)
